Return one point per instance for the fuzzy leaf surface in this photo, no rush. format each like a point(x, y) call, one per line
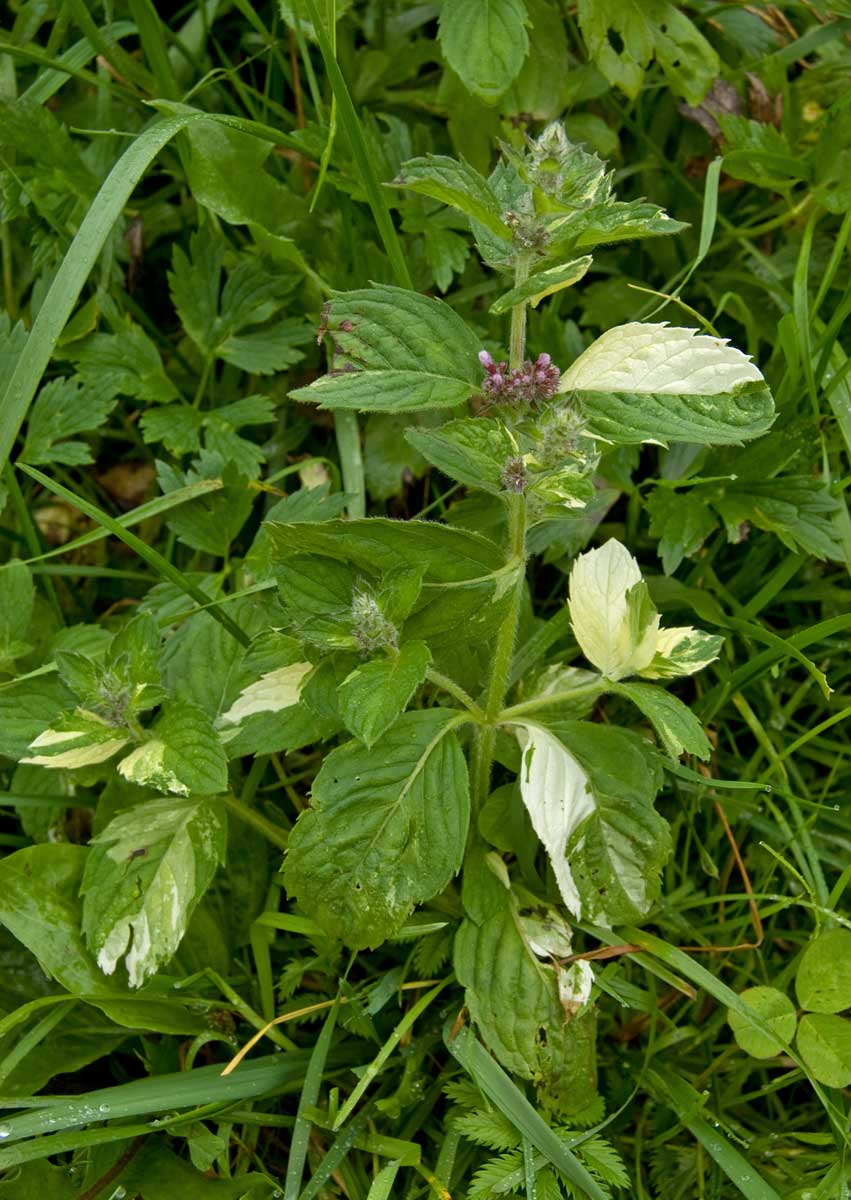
point(385, 831)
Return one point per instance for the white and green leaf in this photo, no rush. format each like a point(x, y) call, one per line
point(654, 382)
point(612, 620)
point(146, 872)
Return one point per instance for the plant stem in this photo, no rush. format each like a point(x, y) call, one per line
point(517, 340)
point(272, 833)
point(351, 461)
point(454, 689)
point(485, 738)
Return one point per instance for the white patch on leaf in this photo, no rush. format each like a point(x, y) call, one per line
point(574, 986)
point(272, 692)
point(682, 650)
point(557, 795)
point(146, 766)
point(82, 756)
point(659, 359)
point(600, 582)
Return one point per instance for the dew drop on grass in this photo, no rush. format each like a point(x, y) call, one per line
point(5, 1130)
point(103, 1108)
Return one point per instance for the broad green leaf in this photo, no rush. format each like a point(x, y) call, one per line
point(219, 161)
point(17, 597)
point(776, 1010)
point(456, 183)
point(146, 872)
point(799, 510)
point(622, 37)
point(395, 351)
point(40, 906)
point(678, 728)
point(824, 1043)
point(607, 222)
point(644, 382)
point(183, 755)
point(210, 522)
point(592, 807)
point(823, 981)
point(122, 364)
point(318, 594)
point(385, 831)
point(62, 408)
point(541, 88)
point(682, 522)
point(485, 44)
point(377, 692)
point(542, 284)
point(474, 450)
point(27, 708)
point(511, 994)
point(601, 582)
point(448, 555)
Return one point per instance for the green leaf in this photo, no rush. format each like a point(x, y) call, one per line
point(644, 28)
point(146, 872)
point(474, 450)
point(644, 382)
point(219, 319)
point(177, 426)
point(678, 728)
point(212, 521)
point(17, 597)
point(449, 555)
point(454, 182)
point(543, 283)
point(776, 1010)
point(681, 521)
point(485, 44)
point(27, 708)
point(40, 906)
point(182, 756)
point(513, 994)
point(395, 351)
point(823, 981)
point(62, 408)
point(824, 1043)
point(590, 795)
point(122, 364)
point(385, 832)
point(608, 222)
point(799, 510)
point(376, 693)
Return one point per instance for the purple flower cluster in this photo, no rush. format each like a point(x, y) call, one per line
point(530, 384)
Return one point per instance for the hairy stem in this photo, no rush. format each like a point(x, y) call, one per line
point(485, 737)
point(517, 340)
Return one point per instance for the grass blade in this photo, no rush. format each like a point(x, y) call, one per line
point(503, 1092)
point(682, 1099)
point(152, 557)
point(351, 124)
point(309, 1096)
